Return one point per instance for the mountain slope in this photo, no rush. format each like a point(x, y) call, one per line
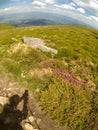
point(65, 84)
point(6, 27)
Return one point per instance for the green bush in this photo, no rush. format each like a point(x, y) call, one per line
point(68, 104)
point(65, 52)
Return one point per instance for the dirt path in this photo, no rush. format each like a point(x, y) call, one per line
point(9, 87)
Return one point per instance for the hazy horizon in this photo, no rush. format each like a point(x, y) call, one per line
point(85, 12)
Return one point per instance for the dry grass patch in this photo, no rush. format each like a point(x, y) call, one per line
point(17, 47)
point(40, 72)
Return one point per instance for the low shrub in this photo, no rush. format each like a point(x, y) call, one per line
point(68, 104)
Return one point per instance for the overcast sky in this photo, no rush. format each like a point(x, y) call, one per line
point(84, 10)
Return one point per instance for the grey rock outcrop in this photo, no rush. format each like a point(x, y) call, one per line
point(38, 43)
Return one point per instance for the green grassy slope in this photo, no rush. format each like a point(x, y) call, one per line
point(5, 27)
point(66, 84)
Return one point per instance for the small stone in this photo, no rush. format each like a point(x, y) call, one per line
point(28, 127)
point(8, 89)
point(10, 84)
point(37, 90)
point(34, 113)
point(3, 100)
point(9, 94)
point(4, 88)
point(16, 88)
point(38, 120)
point(31, 119)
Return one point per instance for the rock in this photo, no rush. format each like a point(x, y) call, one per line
point(38, 120)
point(3, 100)
point(37, 90)
point(38, 43)
point(28, 126)
point(31, 119)
point(9, 95)
point(4, 89)
point(8, 89)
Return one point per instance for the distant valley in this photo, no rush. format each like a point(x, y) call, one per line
point(38, 19)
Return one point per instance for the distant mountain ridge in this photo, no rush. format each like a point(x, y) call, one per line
point(38, 19)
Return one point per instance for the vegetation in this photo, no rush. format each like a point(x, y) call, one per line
point(71, 105)
point(66, 84)
point(6, 27)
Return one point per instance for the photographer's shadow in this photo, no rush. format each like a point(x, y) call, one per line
point(11, 116)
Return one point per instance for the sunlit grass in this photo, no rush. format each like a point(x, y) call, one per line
point(75, 63)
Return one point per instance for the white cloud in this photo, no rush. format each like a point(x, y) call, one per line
point(72, 4)
point(42, 2)
point(94, 18)
point(64, 6)
point(38, 3)
point(8, 9)
point(81, 10)
point(15, 9)
point(89, 18)
point(89, 5)
point(50, 1)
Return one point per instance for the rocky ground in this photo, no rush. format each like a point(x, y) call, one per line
point(36, 119)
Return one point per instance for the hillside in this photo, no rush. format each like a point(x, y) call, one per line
point(6, 27)
point(65, 84)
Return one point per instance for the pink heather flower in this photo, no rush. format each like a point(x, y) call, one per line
point(68, 76)
point(79, 83)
